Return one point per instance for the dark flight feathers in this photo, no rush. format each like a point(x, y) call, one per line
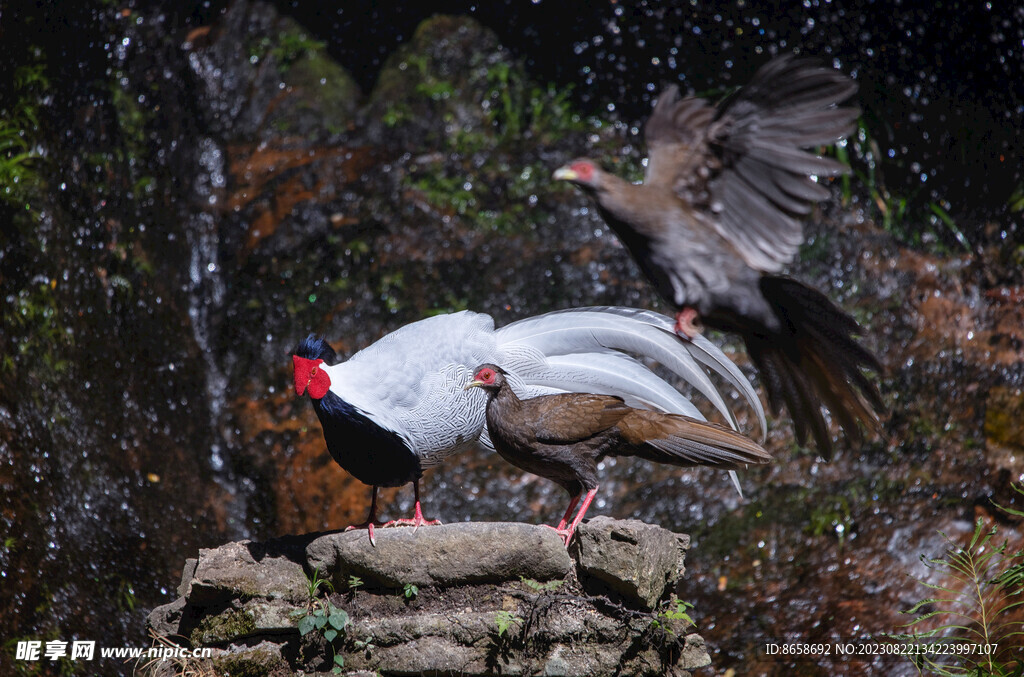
point(744, 160)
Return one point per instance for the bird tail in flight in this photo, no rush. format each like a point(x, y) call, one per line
point(816, 362)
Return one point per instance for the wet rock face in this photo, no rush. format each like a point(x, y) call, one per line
point(263, 76)
point(487, 599)
point(432, 86)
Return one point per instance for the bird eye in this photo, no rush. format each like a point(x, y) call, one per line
point(312, 372)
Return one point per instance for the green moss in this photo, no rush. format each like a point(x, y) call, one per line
point(494, 197)
point(132, 118)
point(453, 88)
point(295, 45)
point(289, 45)
point(1004, 410)
point(252, 663)
point(223, 627)
point(830, 517)
point(324, 89)
point(820, 512)
point(517, 108)
point(454, 70)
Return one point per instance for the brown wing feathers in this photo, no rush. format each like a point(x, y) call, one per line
point(572, 417)
point(577, 418)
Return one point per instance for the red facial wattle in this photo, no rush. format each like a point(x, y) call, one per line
point(584, 170)
point(310, 375)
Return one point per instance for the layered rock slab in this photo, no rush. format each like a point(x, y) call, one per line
point(468, 599)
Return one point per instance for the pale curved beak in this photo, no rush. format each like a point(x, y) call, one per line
point(564, 174)
point(473, 384)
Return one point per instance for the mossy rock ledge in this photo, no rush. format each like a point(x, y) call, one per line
point(459, 599)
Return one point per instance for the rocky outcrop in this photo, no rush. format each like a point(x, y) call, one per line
point(466, 599)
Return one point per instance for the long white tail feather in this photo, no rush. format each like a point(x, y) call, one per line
point(712, 357)
point(570, 331)
point(589, 330)
point(736, 482)
point(702, 349)
point(616, 375)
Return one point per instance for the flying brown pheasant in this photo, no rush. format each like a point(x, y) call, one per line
point(562, 437)
point(718, 216)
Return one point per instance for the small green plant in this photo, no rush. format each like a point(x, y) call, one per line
point(678, 610)
point(435, 89)
point(126, 600)
point(831, 516)
point(20, 161)
point(537, 586)
point(36, 315)
point(354, 583)
point(675, 610)
point(977, 607)
point(292, 46)
point(325, 617)
point(1016, 202)
point(504, 620)
point(396, 114)
point(410, 591)
point(516, 109)
point(315, 582)
point(321, 615)
point(363, 644)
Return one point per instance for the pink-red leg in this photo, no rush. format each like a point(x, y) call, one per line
point(417, 520)
point(566, 533)
point(685, 319)
point(371, 519)
point(568, 512)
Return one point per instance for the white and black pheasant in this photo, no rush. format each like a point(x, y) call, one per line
point(400, 406)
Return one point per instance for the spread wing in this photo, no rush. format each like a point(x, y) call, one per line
point(746, 164)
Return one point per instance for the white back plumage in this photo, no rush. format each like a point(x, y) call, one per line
point(412, 380)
